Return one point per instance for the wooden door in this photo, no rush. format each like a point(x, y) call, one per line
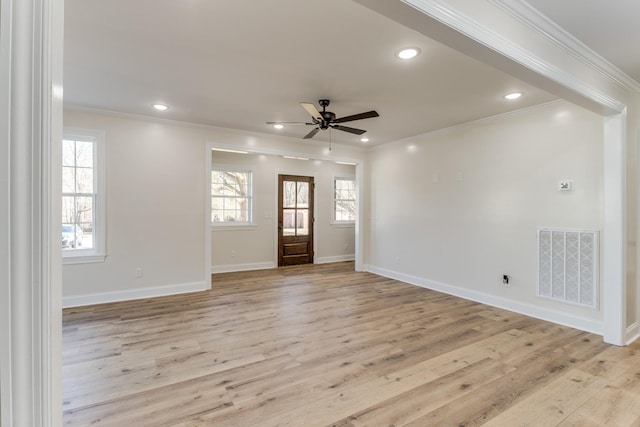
point(295, 220)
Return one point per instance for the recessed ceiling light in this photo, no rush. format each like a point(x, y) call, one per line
point(278, 126)
point(408, 53)
point(513, 95)
point(364, 139)
point(160, 107)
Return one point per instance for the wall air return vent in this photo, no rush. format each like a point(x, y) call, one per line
point(568, 266)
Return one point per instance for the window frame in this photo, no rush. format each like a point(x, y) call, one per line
point(334, 221)
point(237, 225)
point(98, 252)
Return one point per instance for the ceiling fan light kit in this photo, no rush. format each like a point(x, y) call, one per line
point(326, 119)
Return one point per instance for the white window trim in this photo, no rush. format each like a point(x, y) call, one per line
point(251, 224)
point(343, 224)
point(98, 252)
point(334, 222)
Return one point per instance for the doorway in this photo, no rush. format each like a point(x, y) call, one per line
point(295, 220)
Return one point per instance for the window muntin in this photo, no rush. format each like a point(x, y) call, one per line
point(344, 200)
point(82, 196)
point(78, 194)
point(231, 197)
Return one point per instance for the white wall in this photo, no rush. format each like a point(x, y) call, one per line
point(416, 230)
point(154, 209)
point(256, 247)
point(510, 37)
point(457, 209)
point(156, 187)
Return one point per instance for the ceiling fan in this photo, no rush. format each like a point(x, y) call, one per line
point(326, 119)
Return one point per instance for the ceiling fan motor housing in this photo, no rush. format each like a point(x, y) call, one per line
point(327, 118)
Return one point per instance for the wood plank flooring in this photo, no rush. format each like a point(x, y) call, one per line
point(325, 346)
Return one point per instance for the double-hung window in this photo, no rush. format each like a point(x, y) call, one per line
point(231, 196)
point(344, 200)
point(82, 196)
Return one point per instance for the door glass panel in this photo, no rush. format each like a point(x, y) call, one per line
point(303, 194)
point(289, 194)
point(289, 222)
point(302, 222)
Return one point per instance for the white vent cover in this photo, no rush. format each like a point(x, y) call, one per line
point(568, 266)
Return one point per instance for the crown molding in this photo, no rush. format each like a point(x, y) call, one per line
point(454, 18)
point(194, 125)
point(471, 124)
point(534, 19)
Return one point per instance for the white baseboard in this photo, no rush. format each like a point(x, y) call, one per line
point(132, 294)
point(554, 316)
point(230, 268)
point(338, 258)
point(633, 333)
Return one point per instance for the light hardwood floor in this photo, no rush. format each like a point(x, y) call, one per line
point(325, 346)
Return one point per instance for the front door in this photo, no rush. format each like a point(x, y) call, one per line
point(295, 220)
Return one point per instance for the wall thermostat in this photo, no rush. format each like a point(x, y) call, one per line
point(565, 185)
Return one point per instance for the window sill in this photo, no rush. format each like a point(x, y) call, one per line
point(83, 259)
point(233, 227)
point(344, 224)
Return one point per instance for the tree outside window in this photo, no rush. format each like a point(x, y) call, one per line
point(231, 197)
point(344, 201)
point(78, 194)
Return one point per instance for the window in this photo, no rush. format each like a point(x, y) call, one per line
point(344, 200)
point(231, 197)
point(82, 196)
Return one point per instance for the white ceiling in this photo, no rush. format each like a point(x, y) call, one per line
point(240, 63)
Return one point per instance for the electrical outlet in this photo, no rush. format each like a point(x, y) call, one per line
point(233, 253)
point(138, 272)
point(506, 281)
point(345, 246)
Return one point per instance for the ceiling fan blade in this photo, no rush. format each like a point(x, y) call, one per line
point(311, 134)
point(360, 116)
point(348, 129)
point(311, 109)
point(289, 123)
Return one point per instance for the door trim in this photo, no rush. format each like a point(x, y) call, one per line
point(277, 173)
